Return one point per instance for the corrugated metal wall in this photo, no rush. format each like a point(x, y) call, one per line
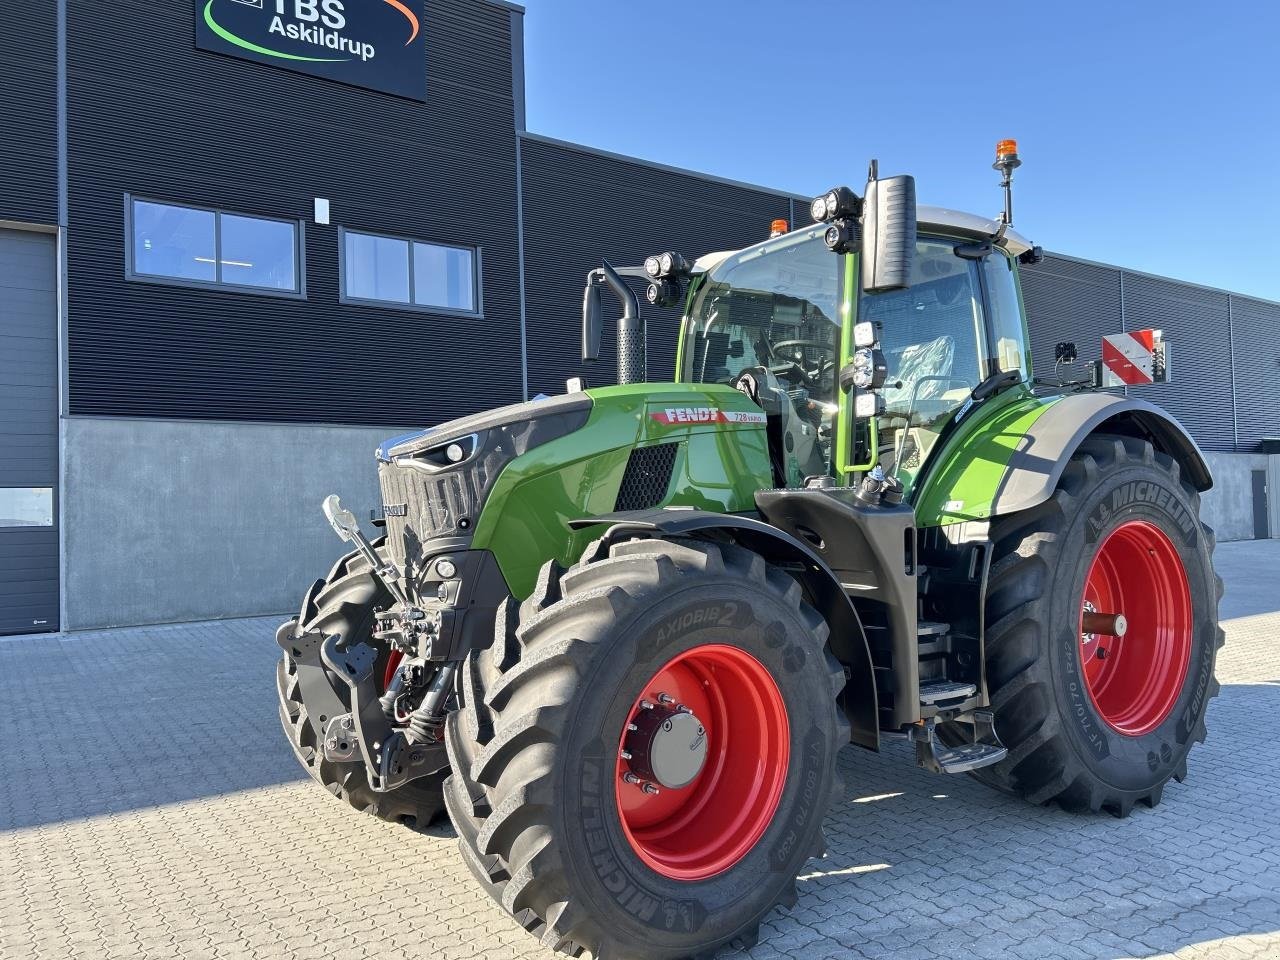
point(580, 207)
point(153, 116)
point(28, 91)
point(1213, 335)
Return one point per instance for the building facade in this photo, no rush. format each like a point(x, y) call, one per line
point(241, 241)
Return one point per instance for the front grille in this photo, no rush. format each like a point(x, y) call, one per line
point(421, 506)
point(647, 477)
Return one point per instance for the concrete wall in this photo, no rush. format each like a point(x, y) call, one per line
point(1228, 507)
point(184, 520)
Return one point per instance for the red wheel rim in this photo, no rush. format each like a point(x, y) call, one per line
point(1134, 679)
point(702, 829)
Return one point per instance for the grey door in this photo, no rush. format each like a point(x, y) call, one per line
point(1261, 520)
point(28, 433)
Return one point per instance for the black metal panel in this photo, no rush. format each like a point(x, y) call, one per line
point(580, 207)
point(201, 128)
point(29, 91)
point(1256, 345)
point(28, 427)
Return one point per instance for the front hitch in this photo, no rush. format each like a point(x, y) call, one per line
point(390, 760)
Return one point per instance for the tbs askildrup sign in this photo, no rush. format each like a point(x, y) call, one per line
point(376, 44)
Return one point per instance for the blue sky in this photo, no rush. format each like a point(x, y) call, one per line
point(1150, 133)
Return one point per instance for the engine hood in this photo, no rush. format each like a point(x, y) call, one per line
point(561, 415)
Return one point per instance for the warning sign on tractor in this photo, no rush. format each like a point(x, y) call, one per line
point(1135, 359)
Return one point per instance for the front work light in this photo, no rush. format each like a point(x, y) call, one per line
point(836, 204)
point(864, 334)
point(869, 369)
point(669, 264)
point(663, 293)
point(842, 236)
point(868, 405)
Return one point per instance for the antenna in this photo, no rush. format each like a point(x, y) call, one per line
point(1006, 162)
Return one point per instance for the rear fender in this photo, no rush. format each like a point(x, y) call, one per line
point(847, 641)
point(1037, 463)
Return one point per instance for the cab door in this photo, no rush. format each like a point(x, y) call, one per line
point(935, 342)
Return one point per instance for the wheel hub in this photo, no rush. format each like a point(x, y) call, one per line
point(665, 744)
point(703, 756)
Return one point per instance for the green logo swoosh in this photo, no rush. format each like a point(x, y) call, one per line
point(230, 37)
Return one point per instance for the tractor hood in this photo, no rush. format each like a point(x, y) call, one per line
point(556, 410)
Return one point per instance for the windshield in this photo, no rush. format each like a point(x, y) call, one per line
point(767, 321)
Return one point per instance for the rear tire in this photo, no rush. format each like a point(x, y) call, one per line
point(1088, 732)
point(544, 817)
point(343, 603)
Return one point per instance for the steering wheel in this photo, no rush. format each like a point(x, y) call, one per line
point(810, 376)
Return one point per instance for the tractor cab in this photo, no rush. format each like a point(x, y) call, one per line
point(781, 320)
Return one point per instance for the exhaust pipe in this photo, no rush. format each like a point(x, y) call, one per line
point(633, 364)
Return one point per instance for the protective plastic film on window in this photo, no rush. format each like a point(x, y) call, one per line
point(376, 268)
point(26, 506)
point(444, 277)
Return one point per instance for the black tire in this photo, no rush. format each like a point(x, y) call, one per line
point(534, 744)
point(343, 603)
point(1061, 748)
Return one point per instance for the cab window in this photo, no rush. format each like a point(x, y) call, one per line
point(1006, 314)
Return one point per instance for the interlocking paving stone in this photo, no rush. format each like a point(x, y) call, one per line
point(150, 808)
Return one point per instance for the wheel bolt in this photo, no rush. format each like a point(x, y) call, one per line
point(650, 789)
point(625, 755)
point(646, 705)
point(665, 698)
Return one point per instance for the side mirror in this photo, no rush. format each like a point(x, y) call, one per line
point(888, 233)
point(592, 324)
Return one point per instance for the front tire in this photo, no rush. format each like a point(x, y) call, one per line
point(343, 603)
point(548, 820)
point(1094, 720)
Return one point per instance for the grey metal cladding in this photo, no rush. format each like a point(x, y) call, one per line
point(1069, 300)
point(29, 146)
point(247, 138)
point(581, 206)
point(1256, 342)
point(1195, 319)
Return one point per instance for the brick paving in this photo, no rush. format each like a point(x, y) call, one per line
point(131, 829)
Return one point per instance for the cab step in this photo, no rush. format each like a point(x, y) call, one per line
point(982, 751)
point(941, 692)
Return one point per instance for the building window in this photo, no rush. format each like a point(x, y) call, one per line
point(436, 277)
point(191, 245)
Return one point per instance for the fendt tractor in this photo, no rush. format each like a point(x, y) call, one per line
point(620, 635)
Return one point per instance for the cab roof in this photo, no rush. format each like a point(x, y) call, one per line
point(927, 219)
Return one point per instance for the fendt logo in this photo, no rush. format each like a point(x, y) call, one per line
point(672, 416)
point(370, 43)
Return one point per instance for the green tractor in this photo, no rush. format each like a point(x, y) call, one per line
point(621, 634)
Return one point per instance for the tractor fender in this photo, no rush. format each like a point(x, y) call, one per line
point(1036, 466)
point(847, 640)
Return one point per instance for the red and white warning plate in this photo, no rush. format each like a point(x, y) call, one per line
point(1132, 359)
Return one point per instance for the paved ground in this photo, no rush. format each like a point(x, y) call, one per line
point(129, 831)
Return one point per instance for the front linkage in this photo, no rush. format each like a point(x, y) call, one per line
point(393, 722)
